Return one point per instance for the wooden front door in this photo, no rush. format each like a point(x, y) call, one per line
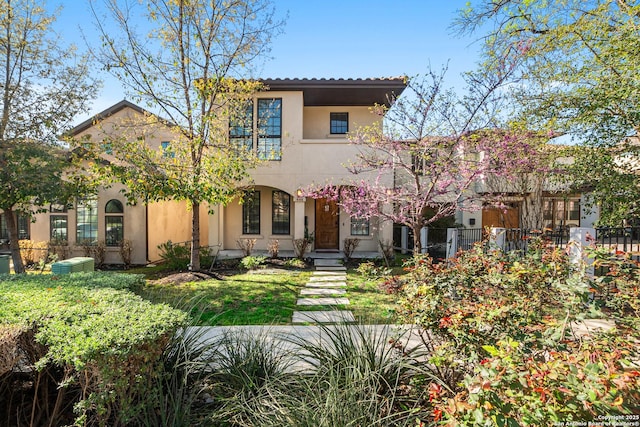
point(495, 217)
point(327, 224)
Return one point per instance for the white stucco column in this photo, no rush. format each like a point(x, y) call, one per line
point(424, 239)
point(452, 242)
point(497, 238)
point(298, 213)
point(579, 238)
point(404, 239)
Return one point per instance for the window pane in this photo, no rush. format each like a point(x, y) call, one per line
point(87, 222)
point(241, 129)
point(114, 206)
point(4, 233)
point(58, 228)
point(166, 150)
point(269, 149)
point(23, 227)
point(270, 129)
point(359, 227)
point(114, 230)
point(251, 213)
point(339, 123)
point(280, 212)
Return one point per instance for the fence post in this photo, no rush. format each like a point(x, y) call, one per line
point(404, 239)
point(579, 238)
point(498, 238)
point(424, 234)
point(452, 242)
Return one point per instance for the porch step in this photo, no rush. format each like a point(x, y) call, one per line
point(329, 269)
point(330, 262)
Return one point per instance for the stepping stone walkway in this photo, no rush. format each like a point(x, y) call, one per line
point(326, 287)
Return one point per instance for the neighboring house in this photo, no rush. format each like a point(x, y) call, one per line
point(303, 142)
point(538, 200)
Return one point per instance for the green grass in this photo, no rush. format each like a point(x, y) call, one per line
point(368, 301)
point(241, 299)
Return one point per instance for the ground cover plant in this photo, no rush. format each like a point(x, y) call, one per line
point(499, 330)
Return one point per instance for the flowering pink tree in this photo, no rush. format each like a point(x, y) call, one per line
point(422, 165)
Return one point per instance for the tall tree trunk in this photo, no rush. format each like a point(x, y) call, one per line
point(12, 229)
point(531, 213)
point(195, 236)
point(417, 243)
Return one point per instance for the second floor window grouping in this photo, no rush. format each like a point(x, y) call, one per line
point(263, 134)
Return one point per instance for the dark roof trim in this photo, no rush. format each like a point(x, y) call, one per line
point(342, 92)
point(109, 112)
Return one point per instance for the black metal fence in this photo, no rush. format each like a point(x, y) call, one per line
point(625, 239)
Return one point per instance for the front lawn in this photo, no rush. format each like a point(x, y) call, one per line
point(264, 297)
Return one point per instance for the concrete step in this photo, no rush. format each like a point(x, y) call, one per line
point(327, 262)
point(336, 268)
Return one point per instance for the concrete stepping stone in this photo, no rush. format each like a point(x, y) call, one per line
point(327, 278)
point(322, 291)
point(336, 268)
point(326, 285)
point(334, 316)
point(322, 301)
point(319, 273)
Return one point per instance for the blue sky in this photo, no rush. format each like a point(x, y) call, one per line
point(333, 39)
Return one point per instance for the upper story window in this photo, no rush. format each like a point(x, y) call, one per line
point(264, 133)
point(339, 123)
point(165, 146)
point(114, 222)
point(241, 129)
point(270, 129)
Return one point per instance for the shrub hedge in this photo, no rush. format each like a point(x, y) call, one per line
point(83, 347)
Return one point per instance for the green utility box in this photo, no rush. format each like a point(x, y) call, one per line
point(73, 265)
point(4, 264)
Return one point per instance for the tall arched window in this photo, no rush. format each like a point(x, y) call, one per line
point(114, 222)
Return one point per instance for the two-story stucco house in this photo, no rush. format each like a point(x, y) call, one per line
point(305, 137)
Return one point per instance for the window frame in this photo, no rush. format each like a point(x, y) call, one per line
point(251, 213)
point(360, 223)
point(82, 217)
point(241, 134)
point(338, 126)
point(53, 236)
point(277, 227)
point(269, 142)
point(112, 217)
